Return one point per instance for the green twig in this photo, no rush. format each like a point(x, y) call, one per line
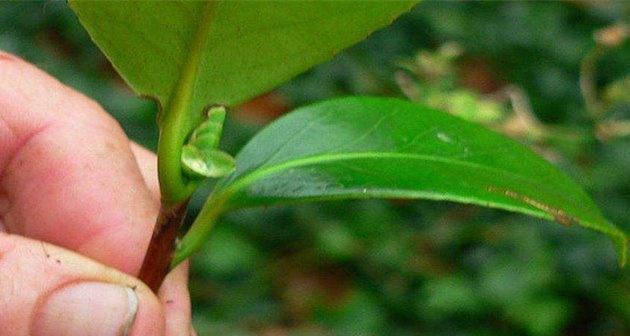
point(200, 229)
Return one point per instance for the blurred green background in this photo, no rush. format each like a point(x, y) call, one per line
point(412, 268)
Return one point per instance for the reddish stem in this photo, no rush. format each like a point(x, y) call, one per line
point(160, 252)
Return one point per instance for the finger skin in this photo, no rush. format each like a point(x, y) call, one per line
point(70, 176)
point(176, 301)
point(68, 172)
point(31, 270)
point(173, 294)
point(147, 163)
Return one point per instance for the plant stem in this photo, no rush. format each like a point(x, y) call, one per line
point(160, 252)
point(200, 229)
point(174, 186)
point(181, 115)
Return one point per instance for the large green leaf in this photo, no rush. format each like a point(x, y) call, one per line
point(190, 54)
point(388, 148)
point(225, 51)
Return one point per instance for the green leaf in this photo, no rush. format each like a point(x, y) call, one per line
point(200, 156)
point(208, 133)
point(387, 148)
point(202, 163)
point(228, 51)
point(189, 54)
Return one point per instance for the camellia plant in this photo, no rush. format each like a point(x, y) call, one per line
point(196, 59)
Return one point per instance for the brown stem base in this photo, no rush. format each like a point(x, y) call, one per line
point(160, 252)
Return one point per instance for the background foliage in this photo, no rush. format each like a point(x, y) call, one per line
point(398, 267)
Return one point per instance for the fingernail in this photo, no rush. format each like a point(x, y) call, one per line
point(88, 308)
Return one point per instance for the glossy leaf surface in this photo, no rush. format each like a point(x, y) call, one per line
point(201, 157)
point(387, 148)
point(201, 163)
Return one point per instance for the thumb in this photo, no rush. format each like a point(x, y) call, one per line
point(49, 291)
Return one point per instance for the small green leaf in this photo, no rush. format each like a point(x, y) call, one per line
point(208, 133)
point(199, 162)
point(200, 156)
point(387, 148)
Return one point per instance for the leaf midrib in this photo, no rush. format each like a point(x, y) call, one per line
point(244, 181)
point(256, 175)
point(188, 75)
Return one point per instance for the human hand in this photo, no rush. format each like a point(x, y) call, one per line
point(78, 202)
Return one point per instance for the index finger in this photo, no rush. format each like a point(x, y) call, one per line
point(67, 173)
